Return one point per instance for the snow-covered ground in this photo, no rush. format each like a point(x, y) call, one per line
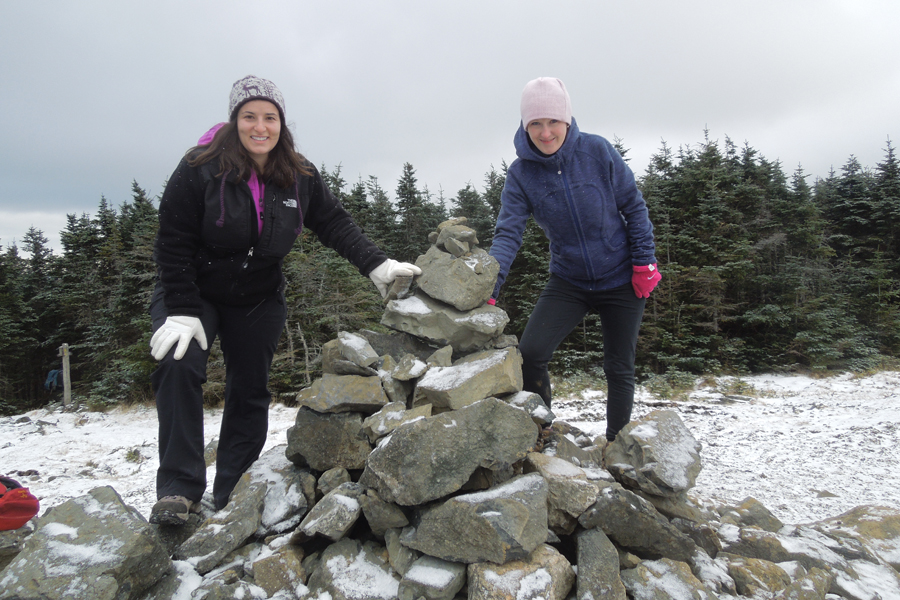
point(806, 448)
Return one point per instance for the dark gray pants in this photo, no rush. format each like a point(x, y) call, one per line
point(248, 336)
point(560, 308)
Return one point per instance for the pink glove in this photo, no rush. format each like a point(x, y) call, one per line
point(644, 279)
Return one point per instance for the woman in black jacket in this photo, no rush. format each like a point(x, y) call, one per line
point(229, 214)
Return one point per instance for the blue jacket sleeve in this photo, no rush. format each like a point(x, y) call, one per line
point(514, 212)
point(631, 205)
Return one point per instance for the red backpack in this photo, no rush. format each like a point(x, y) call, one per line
point(17, 505)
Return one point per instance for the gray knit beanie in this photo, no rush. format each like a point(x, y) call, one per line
point(254, 88)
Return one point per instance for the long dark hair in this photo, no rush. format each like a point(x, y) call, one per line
point(282, 165)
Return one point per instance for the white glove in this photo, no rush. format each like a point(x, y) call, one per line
point(177, 329)
point(384, 274)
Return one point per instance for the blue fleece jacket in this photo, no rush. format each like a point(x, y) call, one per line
point(586, 200)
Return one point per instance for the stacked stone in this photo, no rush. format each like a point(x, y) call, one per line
point(411, 472)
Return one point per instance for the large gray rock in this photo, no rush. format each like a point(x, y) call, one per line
point(349, 570)
point(227, 587)
point(432, 578)
point(409, 367)
point(755, 576)
point(396, 344)
point(335, 363)
point(570, 490)
point(430, 458)
point(633, 523)
point(289, 491)
point(864, 580)
point(400, 557)
point(280, 570)
point(712, 572)
point(464, 282)
point(503, 523)
point(544, 574)
point(532, 404)
point(792, 545)
point(344, 393)
point(356, 349)
point(455, 229)
point(471, 379)
point(665, 579)
point(333, 516)
point(227, 529)
point(381, 515)
point(876, 526)
point(751, 513)
point(656, 454)
point(177, 583)
point(12, 542)
point(93, 546)
point(392, 416)
point(598, 567)
point(812, 586)
point(441, 324)
point(324, 441)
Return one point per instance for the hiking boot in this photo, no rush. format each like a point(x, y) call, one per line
point(543, 438)
point(173, 510)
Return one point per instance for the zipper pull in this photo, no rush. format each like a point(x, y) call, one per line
point(246, 260)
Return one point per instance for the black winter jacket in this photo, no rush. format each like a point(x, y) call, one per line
point(208, 245)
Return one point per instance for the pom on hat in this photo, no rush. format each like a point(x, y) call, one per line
point(545, 98)
point(254, 88)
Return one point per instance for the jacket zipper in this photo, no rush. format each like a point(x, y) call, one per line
point(581, 241)
point(247, 260)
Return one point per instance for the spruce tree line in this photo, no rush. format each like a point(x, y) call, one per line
point(761, 271)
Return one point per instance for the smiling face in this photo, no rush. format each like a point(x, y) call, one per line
point(259, 127)
point(548, 135)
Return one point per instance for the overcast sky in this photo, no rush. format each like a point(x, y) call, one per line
point(95, 94)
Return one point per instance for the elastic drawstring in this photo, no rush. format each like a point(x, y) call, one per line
point(221, 221)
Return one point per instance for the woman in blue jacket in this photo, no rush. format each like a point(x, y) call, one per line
point(229, 215)
point(583, 195)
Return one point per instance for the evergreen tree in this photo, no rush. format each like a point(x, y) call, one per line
point(119, 337)
point(886, 196)
point(415, 218)
point(41, 318)
point(381, 226)
point(851, 210)
point(493, 188)
point(17, 342)
point(469, 203)
point(358, 205)
point(527, 276)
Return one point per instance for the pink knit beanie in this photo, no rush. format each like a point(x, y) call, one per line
point(546, 98)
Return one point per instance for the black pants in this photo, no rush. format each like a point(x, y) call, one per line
point(558, 311)
point(248, 336)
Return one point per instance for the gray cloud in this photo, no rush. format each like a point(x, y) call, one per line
point(96, 94)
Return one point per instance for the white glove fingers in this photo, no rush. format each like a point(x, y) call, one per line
point(183, 343)
point(201, 337)
point(164, 344)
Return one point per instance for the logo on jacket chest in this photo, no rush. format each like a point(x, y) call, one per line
point(290, 203)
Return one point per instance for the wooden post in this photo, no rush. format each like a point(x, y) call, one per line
point(67, 379)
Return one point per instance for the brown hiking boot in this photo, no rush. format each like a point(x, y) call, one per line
point(173, 510)
point(543, 437)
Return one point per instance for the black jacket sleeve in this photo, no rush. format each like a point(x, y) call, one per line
point(178, 240)
point(336, 229)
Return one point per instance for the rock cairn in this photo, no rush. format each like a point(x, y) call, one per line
point(415, 471)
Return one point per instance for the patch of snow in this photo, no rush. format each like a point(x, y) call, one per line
point(410, 306)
